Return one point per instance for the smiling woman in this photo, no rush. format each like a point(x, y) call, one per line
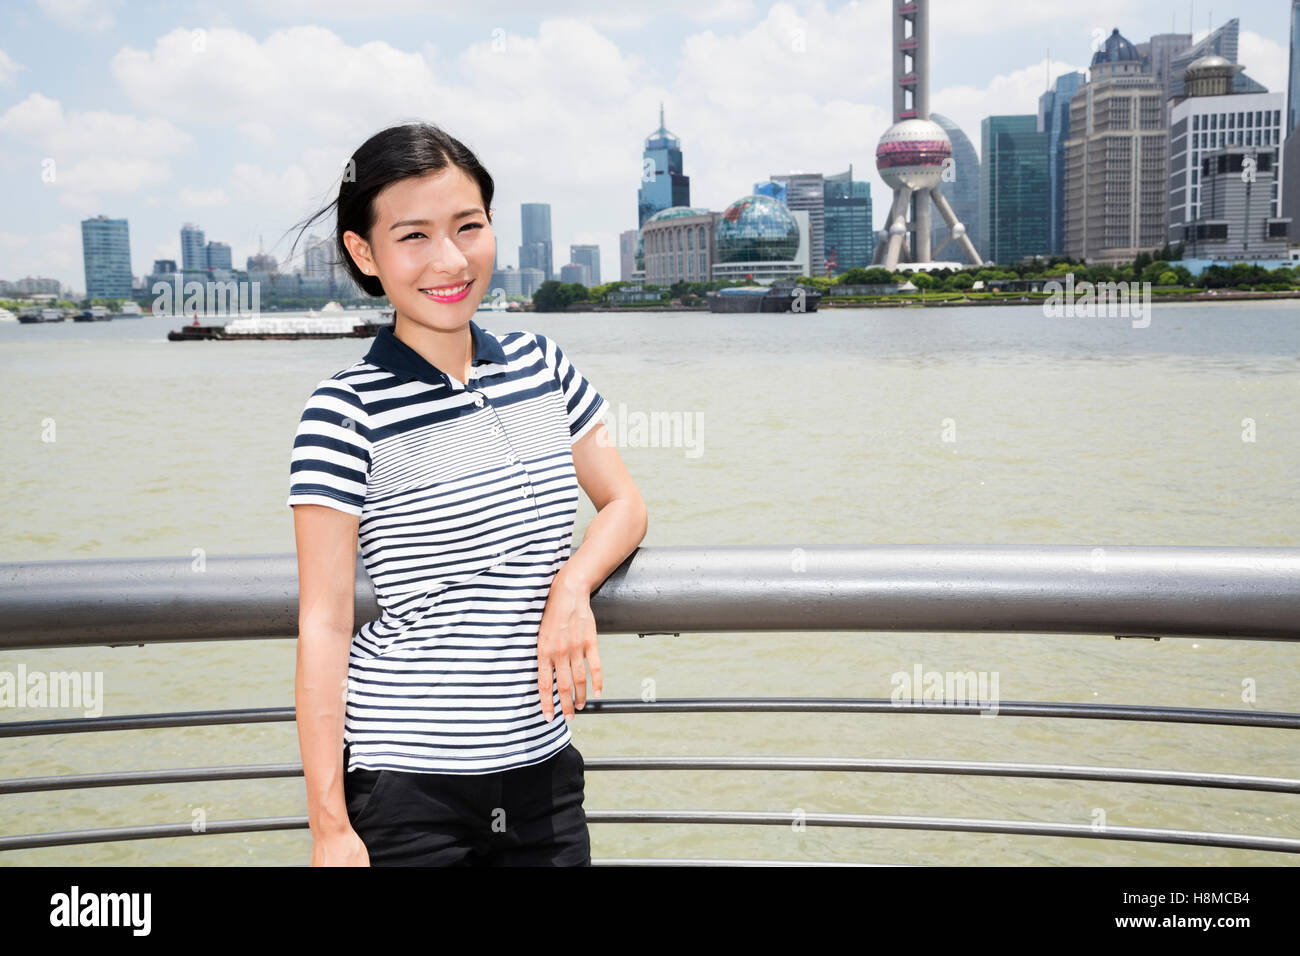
point(453, 456)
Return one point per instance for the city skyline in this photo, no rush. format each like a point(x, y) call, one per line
point(246, 168)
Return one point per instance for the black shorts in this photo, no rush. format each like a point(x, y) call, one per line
point(528, 816)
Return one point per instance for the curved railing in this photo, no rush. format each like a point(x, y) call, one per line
point(1248, 594)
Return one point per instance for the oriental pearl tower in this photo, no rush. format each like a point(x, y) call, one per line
point(915, 153)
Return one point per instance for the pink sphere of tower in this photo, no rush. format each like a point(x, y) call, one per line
point(914, 153)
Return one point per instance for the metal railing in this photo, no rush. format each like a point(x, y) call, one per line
point(1139, 592)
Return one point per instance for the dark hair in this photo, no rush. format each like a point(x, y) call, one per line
point(392, 154)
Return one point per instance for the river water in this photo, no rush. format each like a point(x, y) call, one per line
point(990, 425)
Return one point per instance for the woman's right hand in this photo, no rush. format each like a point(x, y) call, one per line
point(341, 848)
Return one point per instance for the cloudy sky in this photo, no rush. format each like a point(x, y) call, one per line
point(238, 115)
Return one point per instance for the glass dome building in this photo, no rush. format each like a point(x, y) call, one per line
point(756, 229)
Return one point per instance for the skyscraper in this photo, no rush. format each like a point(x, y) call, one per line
point(627, 253)
point(1116, 169)
point(1293, 72)
point(808, 191)
point(588, 256)
point(663, 184)
point(1159, 53)
point(1014, 192)
point(106, 254)
point(1054, 120)
point(1291, 145)
point(961, 187)
point(1209, 118)
point(217, 255)
point(849, 239)
point(1221, 42)
point(194, 252)
point(535, 250)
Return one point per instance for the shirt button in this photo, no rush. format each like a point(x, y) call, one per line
point(478, 400)
point(496, 430)
point(526, 493)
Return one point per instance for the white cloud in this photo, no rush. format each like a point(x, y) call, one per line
point(92, 15)
point(41, 120)
point(234, 77)
point(215, 196)
point(54, 253)
point(8, 68)
point(1265, 60)
point(1006, 94)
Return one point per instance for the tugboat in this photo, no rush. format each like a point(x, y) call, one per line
point(782, 296)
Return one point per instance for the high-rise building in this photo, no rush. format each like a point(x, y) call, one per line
point(807, 191)
point(588, 256)
point(1293, 72)
point(530, 280)
point(627, 242)
point(1116, 169)
point(1054, 120)
point(1014, 188)
point(1221, 42)
point(1236, 222)
point(106, 254)
point(960, 185)
point(1159, 53)
point(194, 252)
point(1211, 117)
point(535, 250)
point(663, 184)
point(575, 272)
point(318, 257)
point(507, 280)
point(849, 241)
point(218, 255)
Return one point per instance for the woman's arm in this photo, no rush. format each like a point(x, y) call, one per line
point(327, 568)
point(568, 630)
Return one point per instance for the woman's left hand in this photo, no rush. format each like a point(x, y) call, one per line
point(566, 645)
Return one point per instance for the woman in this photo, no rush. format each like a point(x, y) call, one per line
point(453, 455)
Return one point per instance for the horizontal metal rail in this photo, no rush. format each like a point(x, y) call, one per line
point(1207, 592)
point(712, 705)
point(1136, 592)
point(1172, 778)
point(868, 821)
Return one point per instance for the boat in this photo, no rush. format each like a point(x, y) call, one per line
point(257, 327)
point(130, 310)
point(43, 315)
point(780, 296)
point(96, 313)
point(6, 315)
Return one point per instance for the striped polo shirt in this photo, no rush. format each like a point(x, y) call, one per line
point(466, 497)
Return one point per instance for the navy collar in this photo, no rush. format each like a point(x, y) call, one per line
point(391, 353)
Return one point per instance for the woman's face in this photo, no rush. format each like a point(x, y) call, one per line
point(431, 236)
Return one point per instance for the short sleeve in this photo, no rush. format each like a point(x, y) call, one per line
point(584, 405)
point(330, 463)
